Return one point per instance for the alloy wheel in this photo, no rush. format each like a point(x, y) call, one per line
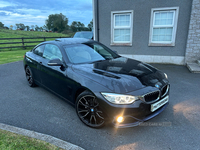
point(29, 76)
point(89, 111)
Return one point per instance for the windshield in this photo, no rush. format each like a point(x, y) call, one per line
point(87, 35)
point(87, 53)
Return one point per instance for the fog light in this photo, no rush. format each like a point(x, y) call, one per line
point(120, 119)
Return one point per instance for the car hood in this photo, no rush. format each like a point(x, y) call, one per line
point(121, 75)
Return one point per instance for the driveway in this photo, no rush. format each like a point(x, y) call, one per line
point(177, 127)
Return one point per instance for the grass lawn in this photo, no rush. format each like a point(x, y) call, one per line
point(4, 33)
point(12, 56)
point(18, 33)
point(12, 141)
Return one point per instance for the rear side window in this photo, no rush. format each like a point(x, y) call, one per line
point(51, 52)
point(39, 50)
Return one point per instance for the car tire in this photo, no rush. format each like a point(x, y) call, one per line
point(29, 77)
point(89, 111)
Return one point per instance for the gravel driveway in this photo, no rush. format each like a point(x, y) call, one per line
point(177, 127)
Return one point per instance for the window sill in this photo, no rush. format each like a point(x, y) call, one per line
point(161, 44)
point(121, 44)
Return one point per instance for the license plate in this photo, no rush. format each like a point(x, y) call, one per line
point(160, 103)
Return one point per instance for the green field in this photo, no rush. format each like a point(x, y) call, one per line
point(12, 56)
point(26, 34)
point(12, 141)
point(16, 54)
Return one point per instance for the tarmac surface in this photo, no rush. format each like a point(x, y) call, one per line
point(38, 110)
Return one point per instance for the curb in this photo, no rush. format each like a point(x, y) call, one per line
point(40, 136)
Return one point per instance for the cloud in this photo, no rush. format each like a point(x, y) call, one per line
point(37, 11)
point(4, 14)
point(5, 4)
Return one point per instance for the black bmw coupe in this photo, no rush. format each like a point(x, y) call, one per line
point(103, 86)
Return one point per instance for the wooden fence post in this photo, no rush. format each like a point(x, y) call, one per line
point(23, 42)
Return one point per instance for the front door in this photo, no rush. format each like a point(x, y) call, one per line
point(54, 77)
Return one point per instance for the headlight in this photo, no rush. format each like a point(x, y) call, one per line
point(119, 99)
point(166, 76)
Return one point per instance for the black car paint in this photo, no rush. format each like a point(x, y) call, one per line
point(122, 81)
point(120, 75)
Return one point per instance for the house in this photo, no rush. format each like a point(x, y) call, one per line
point(149, 30)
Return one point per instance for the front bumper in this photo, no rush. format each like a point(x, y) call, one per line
point(136, 121)
point(133, 114)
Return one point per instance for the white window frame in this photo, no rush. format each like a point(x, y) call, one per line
point(124, 43)
point(174, 25)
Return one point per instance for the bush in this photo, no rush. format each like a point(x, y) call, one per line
point(68, 32)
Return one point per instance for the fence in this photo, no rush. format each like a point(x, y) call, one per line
point(23, 42)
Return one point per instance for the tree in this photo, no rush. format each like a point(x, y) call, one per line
point(74, 26)
point(36, 28)
point(77, 26)
point(90, 25)
point(1, 25)
point(57, 22)
point(20, 26)
point(80, 26)
point(41, 28)
point(44, 27)
point(6, 27)
point(32, 27)
point(17, 25)
point(27, 28)
point(11, 27)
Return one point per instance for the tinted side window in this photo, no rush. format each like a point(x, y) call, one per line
point(52, 51)
point(39, 50)
point(102, 51)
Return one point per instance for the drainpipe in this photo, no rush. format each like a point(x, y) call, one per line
point(96, 19)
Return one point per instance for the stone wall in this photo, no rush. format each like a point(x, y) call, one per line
point(193, 42)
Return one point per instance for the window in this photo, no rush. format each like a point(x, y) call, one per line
point(85, 53)
point(163, 26)
point(121, 27)
point(39, 50)
point(51, 52)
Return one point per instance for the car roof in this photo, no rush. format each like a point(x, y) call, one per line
point(67, 41)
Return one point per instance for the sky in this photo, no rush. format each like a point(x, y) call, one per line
point(35, 12)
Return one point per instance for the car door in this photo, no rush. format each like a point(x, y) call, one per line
point(35, 59)
point(54, 77)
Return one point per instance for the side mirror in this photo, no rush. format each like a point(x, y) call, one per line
point(55, 62)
